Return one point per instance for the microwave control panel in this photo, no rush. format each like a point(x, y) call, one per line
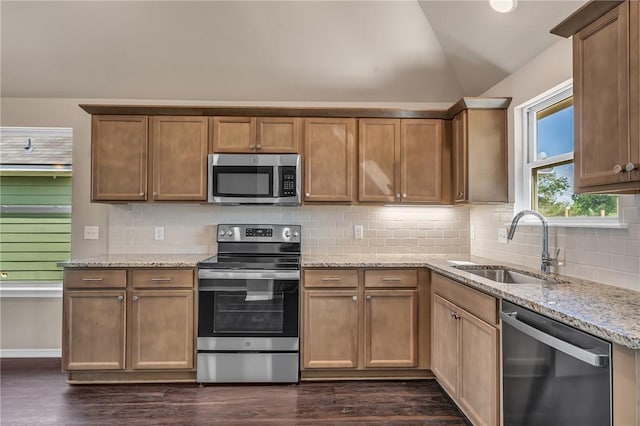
point(287, 181)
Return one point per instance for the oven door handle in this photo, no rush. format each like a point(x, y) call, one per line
point(248, 274)
point(585, 355)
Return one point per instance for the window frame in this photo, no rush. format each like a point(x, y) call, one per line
point(525, 132)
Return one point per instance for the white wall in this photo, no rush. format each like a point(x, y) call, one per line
point(611, 256)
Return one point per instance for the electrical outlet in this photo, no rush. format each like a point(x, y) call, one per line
point(358, 230)
point(472, 232)
point(502, 235)
point(91, 232)
point(159, 233)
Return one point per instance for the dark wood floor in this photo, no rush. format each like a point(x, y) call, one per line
point(34, 392)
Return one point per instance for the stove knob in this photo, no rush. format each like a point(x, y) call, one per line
point(287, 233)
point(229, 233)
point(221, 233)
point(296, 233)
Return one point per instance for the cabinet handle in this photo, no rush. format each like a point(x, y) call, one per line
point(155, 194)
point(368, 297)
point(391, 279)
point(629, 167)
point(134, 298)
point(404, 195)
point(460, 194)
point(141, 194)
point(92, 279)
point(259, 146)
point(331, 279)
point(455, 315)
point(397, 195)
point(307, 194)
point(161, 279)
point(617, 168)
point(120, 298)
point(355, 298)
point(252, 146)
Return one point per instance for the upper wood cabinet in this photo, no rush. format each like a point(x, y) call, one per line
point(179, 158)
point(119, 157)
point(122, 151)
point(329, 159)
point(479, 156)
point(401, 160)
point(606, 86)
point(250, 134)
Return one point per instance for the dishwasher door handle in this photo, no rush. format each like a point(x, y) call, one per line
point(595, 359)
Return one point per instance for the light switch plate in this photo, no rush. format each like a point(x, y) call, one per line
point(502, 235)
point(472, 232)
point(91, 232)
point(358, 231)
point(158, 233)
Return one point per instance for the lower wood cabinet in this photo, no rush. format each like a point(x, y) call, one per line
point(465, 342)
point(145, 324)
point(366, 321)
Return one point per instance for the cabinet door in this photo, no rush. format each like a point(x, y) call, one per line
point(459, 153)
point(379, 160)
point(478, 386)
point(179, 152)
point(601, 96)
point(330, 329)
point(328, 159)
point(278, 135)
point(118, 157)
point(391, 328)
point(162, 329)
point(233, 134)
point(94, 330)
point(634, 89)
point(444, 344)
point(421, 157)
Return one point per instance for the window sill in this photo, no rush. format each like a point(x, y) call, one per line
point(575, 223)
point(31, 289)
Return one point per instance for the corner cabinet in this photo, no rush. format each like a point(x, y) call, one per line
point(124, 325)
point(371, 318)
point(329, 159)
point(606, 72)
point(465, 348)
point(125, 148)
point(479, 156)
point(250, 134)
point(402, 161)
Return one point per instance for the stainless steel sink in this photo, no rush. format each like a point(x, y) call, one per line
point(506, 275)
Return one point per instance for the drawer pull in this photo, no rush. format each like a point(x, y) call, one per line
point(161, 279)
point(92, 279)
point(392, 279)
point(331, 279)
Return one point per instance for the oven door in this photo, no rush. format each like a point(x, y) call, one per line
point(248, 303)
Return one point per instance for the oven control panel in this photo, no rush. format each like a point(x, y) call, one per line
point(260, 233)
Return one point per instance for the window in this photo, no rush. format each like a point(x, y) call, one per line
point(548, 162)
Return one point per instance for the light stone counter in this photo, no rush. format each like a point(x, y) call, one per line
point(137, 261)
point(609, 312)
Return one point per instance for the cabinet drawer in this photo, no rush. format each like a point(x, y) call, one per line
point(391, 278)
point(331, 278)
point(478, 303)
point(143, 278)
point(95, 278)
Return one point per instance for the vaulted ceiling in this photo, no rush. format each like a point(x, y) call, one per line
point(298, 51)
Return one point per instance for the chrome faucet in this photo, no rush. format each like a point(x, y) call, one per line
point(547, 260)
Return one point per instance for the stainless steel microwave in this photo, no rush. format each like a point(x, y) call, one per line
point(254, 179)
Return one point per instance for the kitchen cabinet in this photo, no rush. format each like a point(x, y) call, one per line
point(119, 324)
point(123, 151)
point(479, 156)
point(251, 134)
point(329, 159)
point(370, 317)
point(465, 348)
point(402, 161)
point(606, 86)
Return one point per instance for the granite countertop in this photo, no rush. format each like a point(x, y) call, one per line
point(136, 261)
point(609, 312)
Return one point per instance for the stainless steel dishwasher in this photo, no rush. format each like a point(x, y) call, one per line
point(553, 374)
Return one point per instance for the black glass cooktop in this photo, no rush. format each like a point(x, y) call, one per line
point(250, 262)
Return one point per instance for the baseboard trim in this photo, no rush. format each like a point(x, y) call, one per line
point(30, 353)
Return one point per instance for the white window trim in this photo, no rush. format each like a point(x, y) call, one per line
point(522, 168)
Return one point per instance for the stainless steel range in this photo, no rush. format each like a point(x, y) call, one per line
point(249, 306)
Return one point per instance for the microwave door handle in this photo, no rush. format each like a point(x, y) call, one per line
point(276, 181)
point(238, 274)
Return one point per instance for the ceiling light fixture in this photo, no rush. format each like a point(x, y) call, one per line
point(504, 6)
